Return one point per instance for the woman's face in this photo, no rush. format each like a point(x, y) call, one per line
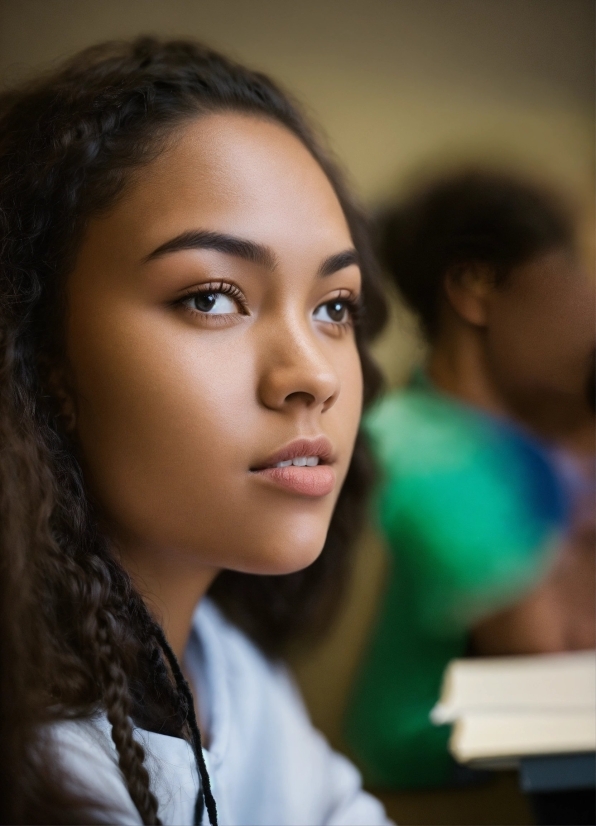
point(210, 339)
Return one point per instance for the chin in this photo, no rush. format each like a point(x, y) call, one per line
point(288, 557)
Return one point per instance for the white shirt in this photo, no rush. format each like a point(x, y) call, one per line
point(267, 764)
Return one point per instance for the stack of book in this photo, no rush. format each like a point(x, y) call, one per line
point(505, 708)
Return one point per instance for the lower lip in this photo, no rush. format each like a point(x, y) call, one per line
point(304, 481)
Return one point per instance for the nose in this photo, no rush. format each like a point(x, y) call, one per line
point(296, 372)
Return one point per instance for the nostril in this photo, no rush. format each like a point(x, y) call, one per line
point(301, 396)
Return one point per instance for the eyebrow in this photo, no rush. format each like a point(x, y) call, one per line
point(338, 261)
point(242, 248)
point(228, 244)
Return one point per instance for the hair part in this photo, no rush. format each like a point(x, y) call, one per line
point(75, 636)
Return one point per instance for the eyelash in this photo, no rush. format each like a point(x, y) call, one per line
point(353, 303)
point(223, 287)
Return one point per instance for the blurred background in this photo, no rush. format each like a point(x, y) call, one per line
point(399, 87)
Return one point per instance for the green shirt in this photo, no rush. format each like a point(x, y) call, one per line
point(472, 510)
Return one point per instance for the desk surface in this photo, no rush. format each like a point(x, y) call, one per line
point(497, 800)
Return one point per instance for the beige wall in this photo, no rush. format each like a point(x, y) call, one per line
point(397, 85)
point(392, 81)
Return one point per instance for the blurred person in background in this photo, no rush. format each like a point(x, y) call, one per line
point(486, 497)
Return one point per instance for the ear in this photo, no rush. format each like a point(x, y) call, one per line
point(469, 288)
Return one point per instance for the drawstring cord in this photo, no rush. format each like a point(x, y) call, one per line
point(205, 797)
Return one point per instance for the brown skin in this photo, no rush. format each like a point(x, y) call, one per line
point(523, 350)
point(172, 406)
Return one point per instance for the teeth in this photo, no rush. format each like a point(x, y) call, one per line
point(300, 461)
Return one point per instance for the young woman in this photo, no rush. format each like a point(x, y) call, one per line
point(487, 499)
point(186, 294)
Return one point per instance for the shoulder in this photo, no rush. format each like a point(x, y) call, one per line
point(411, 424)
point(89, 761)
point(87, 758)
point(268, 763)
point(454, 476)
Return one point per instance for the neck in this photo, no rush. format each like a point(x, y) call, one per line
point(172, 583)
point(458, 365)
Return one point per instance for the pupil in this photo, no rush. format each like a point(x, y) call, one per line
point(336, 310)
point(205, 302)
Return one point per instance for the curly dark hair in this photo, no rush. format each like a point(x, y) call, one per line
point(75, 636)
point(472, 215)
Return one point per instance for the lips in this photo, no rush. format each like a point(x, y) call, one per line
point(313, 480)
point(301, 448)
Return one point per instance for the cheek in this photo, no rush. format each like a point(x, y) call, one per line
point(542, 340)
point(161, 421)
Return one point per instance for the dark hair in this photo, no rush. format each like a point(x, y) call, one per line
point(74, 634)
point(470, 216)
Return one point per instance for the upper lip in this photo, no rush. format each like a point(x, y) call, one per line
point(319, 446)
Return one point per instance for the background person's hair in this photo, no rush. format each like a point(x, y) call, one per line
point(74, 634)
point(465, 217)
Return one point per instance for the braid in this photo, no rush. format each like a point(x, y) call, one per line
point(100, 592)
point(131, 754)
point(205, 796)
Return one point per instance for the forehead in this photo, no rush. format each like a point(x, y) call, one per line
point(233, 173)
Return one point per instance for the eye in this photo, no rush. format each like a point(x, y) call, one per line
point(213, 303)
point(215, 299)
point(337, 311)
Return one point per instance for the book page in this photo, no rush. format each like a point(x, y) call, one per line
point(490, 736)
point(564, 681)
